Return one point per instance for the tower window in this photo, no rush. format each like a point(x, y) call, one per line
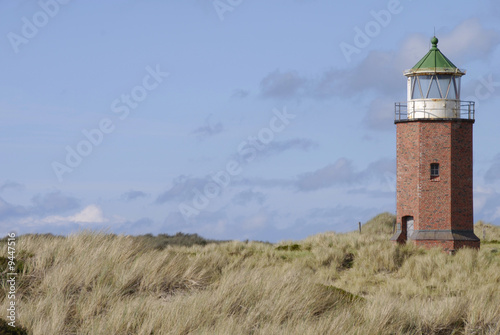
point(434, 170)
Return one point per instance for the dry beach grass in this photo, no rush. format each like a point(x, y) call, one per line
point(96, 283)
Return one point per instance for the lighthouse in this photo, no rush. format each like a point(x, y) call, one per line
point(434, 157)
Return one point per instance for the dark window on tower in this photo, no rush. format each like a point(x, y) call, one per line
point(434, 170)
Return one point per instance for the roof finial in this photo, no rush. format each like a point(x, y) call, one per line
point(434, 42)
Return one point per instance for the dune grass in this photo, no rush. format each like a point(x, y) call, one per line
point(96, 283)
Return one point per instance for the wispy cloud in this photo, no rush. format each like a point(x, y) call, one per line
point(41, 205)
point(11, 185)
point(277, 147)
point(133, 195)
point(380, 115)
point(342, 172)
point(279, 84)
point(240, 93)
point(208, 129)
point(335, 217)
point(265, 182)
point(301, 144)
point(493, 172)
point(245, 197)
point(8, 210)
point(53, 202)
point(487, 204)
point(139, 227)
point(380, 71)
point(182, 189)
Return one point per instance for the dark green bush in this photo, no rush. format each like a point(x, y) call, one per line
point(347, 261)
point(5, 329)
point(161, 241)
point(292, 247)
point(4, 261)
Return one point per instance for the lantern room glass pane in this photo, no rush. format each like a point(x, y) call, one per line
point(434, 90)
point(457, 85)
point(444, 85)
point(418, 89)
point(425, 82)
point(453, 90)
point(414, 88)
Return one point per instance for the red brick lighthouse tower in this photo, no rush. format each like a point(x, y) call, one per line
point(434, 157)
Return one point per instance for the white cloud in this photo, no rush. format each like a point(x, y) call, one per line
point(90, 214)
point(469, 40)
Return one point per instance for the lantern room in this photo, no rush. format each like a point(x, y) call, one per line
point(433, 89)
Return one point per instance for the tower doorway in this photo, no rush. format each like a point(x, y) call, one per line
point(408, 226)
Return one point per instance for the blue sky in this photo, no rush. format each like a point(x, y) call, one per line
point(233, 119)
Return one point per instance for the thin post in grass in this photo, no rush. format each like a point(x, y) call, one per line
point(359, 225)
point(484, 233)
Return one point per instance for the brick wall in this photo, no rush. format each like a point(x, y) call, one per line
point(434, 198)
point(461, 166)
point(445, 202)
point(407, 170)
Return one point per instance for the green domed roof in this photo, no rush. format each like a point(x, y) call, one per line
point(434, 61)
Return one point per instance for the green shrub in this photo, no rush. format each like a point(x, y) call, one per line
point(5, 329)
point(347, 261)
point(161, 241)
point(4, 262)
point(292, 247)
